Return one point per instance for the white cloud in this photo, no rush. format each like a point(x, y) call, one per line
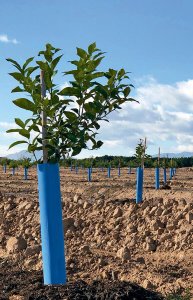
point(7, 125)
point(186, 88)
point(4, 39)
point(185, 148)
point(164, 116)
point(112, 143)
point(10, 135)
point(4, 151)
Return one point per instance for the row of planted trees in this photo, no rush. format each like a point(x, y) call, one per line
point(133, 162)
point(119, 161)
point(15, 164)
point(140, 159)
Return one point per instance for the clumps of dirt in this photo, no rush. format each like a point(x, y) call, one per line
point(108, 237)
point(105, 240)
point(26, 285)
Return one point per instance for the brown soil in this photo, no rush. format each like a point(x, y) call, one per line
point(113, 246)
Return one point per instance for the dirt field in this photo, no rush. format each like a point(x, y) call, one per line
point(110, 241)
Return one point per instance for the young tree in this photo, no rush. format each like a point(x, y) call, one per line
point(62, 123)
point(73, 113)
point(4, 161)
point(25, 162)
point(140, 154)
point(13, 164)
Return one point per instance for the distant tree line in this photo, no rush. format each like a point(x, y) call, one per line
point(109, 160)
point(124, 161)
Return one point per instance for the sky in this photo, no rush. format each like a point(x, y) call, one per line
point(152, 39)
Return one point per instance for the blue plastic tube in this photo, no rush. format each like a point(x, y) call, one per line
point(119, 171)
point(25, 173)
point(129, 170)
point(165, 176)
point(139, 186)
point(89, 174)
point(157, 178)
point(76, 170)
point(5, 168)
point(109, 172)
point(52, 234)
point(171, 173)
point(13, 171)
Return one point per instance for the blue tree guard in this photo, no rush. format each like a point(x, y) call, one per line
point(52, 234)
point(139, 187)
point(76, 169)
point(129, 170)
point(109, 172)
point(165, 176)
point(157, 178)
point(89, 174)
point(5, 168)
point(171, 173)
point(71, 168)
point(13, 171)
point(119, 171)
point(25, 173)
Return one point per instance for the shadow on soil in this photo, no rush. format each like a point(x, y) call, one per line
point(30, 284)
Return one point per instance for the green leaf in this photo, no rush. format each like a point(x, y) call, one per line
point(25, 133)
point(17, 143)
point(126, 91)
point(19, 122)
point(91, 48)
point(98, 54)
point(25, 104)
point(81, 52)
point(13, 130)
point(132, 100)
point(121, 72)
point(70, 115)
point(14, 63)
point(95, 75)
point(102, 90)
point(74, 62)
point(27, 62)
point(99, 144)
point(112, 72)
point(55, 62)
point(42, 65)
point(16, 75)
point(17, 90)
point(75, 110)
point(98, 61)
point(33, 147)
point(76, 151)
point(71, 72)
point(70, 91)
point(72, 137)
point(34, 127)
point(96, 125)
point(31, 70)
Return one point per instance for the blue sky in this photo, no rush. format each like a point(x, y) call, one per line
point(150, 38)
